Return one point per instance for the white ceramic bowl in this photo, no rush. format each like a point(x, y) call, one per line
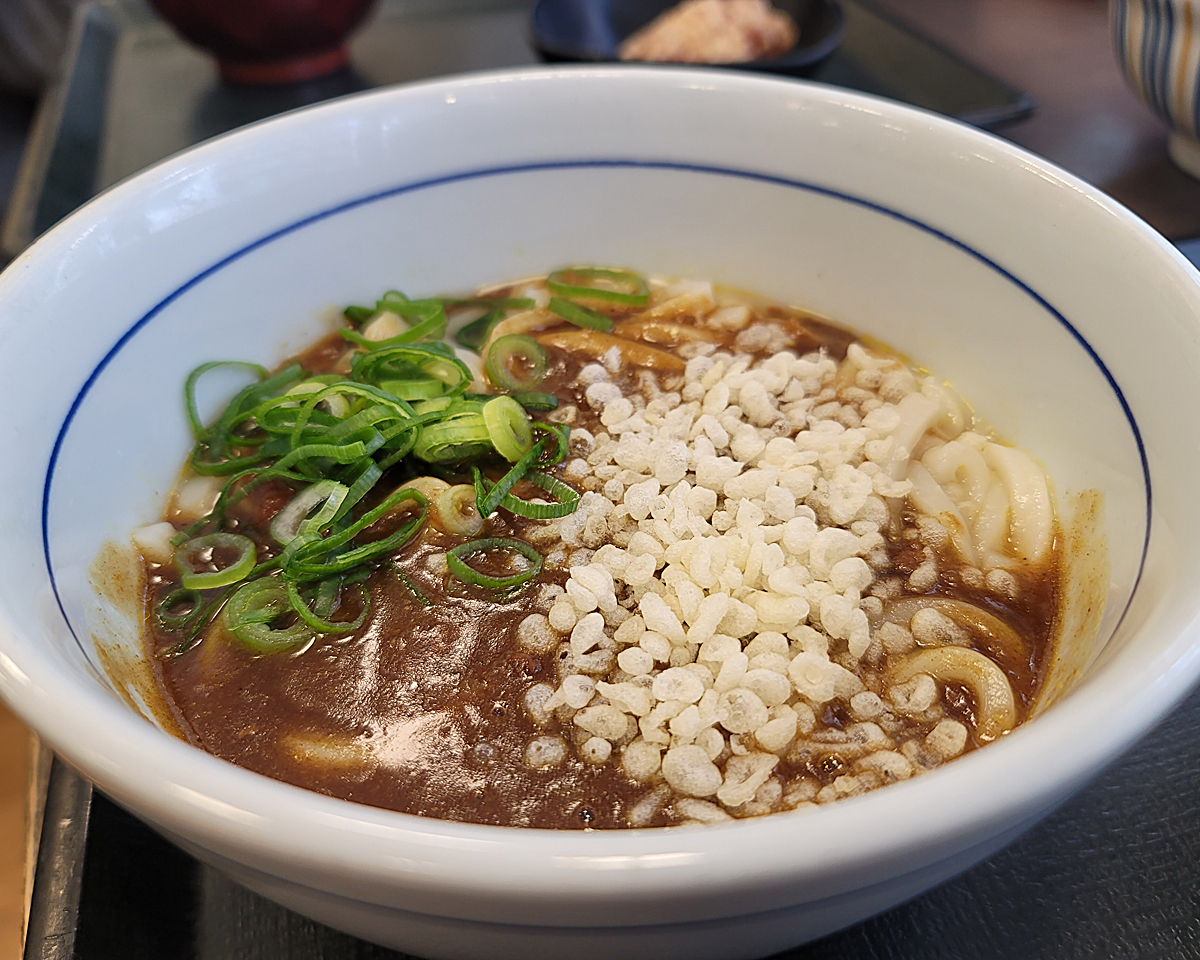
point(1066, 321)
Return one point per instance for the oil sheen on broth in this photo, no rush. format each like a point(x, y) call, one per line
point(786, 567)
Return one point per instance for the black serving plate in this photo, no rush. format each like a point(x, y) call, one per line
point(592, 30)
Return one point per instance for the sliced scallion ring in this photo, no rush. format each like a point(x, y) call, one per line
point(458, 512)
point(557, 451)
point(580, 316)
point(179, 608)
point(310, 557)
point(334, 403)
point(253, 609)
point(414, 389)
point(432, 406)
point(515, 363)
point(537, 402)
point(435, 360)
point(474, 334)
point(189, 389)
point(417, 592)
point(596, 283)
point(198, 552)
point(508, 427)
point(320, 624)
point(568, 499)
point(488, 500)
point(458, 565)
point(294, 518)
point(454, 438)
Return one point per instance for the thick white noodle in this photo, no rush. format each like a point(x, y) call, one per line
point(960, 470)
point(995, 705)
point(917, 415)
point(332, 751)
point(954, 417)
point(930, 499)
point(967, 615)
point(990, 530)
point(1031, 518)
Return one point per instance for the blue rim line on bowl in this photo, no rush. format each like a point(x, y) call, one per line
point(534, 167)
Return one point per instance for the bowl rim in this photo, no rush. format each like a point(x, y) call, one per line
point(188, 792)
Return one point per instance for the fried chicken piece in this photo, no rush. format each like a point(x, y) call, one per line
point(714, 31)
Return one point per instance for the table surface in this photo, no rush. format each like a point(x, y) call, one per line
point(1087, 120)
point(1115, 873)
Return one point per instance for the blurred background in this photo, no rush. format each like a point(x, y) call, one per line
point(92, 92)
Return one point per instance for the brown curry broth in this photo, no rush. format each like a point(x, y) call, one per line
point(433, 694)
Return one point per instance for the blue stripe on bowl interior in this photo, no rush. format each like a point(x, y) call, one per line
point(690, 168)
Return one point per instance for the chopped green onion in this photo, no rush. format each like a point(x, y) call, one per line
point(435, 360)
point(319, 623)
point(178, 608)
point(210, 610)
point(331, 438)
point(335, 403)
point(189, 389)
point(454, 438)
point(568, 499)
point(458, 511)
point(458, 565)
point(417, 592)
point(191, 556)
point(311, 557)
point(488, 500)
point(432, 405)
point(212, 455)
point(393, 296)
point(474, 334)
point(425, 389)
point(515, 363)
point(595, 283)
point(508, 427)
point(537, 402)
point(560, 433)
point(430, 323)
point(294, 518)
point(254, 607)
point(358, 315)
point(580, 316)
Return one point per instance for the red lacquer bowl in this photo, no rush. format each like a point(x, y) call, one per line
point(268, 41)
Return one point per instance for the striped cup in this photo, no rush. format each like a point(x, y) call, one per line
point(1158, 47)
